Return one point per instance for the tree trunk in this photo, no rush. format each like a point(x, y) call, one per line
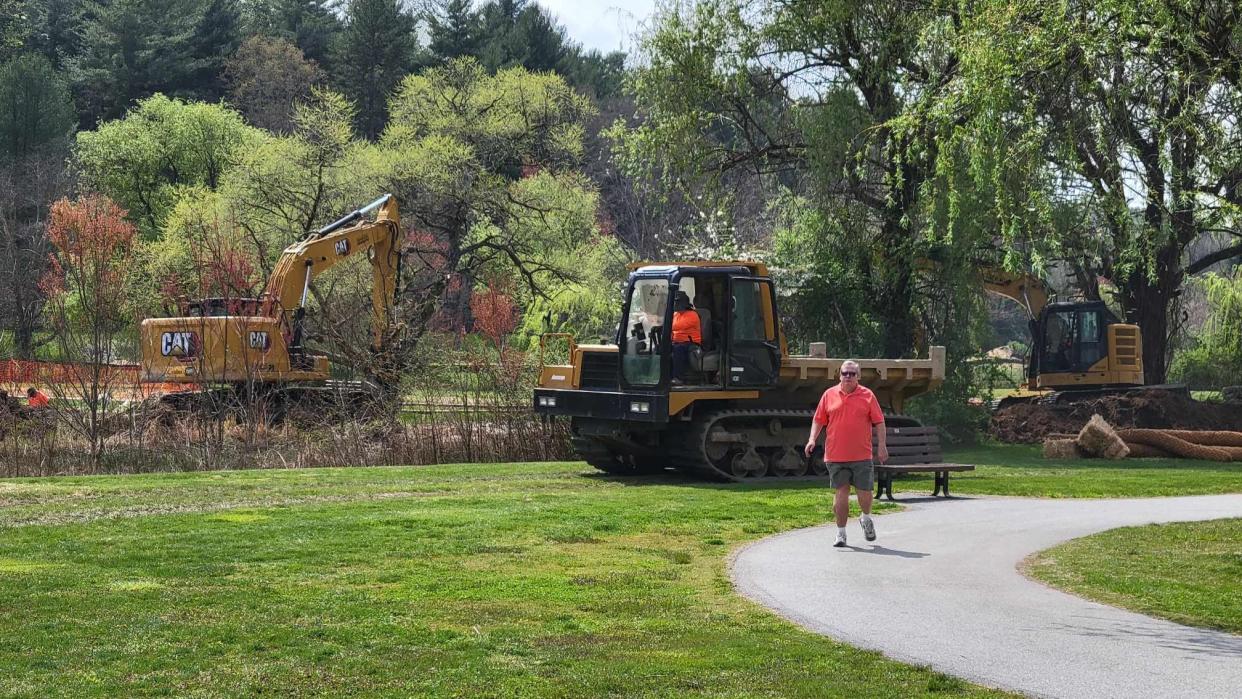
point(895, 312)
point(1149, 304)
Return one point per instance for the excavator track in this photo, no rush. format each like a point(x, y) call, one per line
point(614, 461)
point(333, 401)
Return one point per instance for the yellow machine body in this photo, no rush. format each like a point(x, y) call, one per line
point(259, 340)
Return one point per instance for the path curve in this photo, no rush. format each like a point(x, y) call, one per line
point(941, 587)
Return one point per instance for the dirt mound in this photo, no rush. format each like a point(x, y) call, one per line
point(1033, 422)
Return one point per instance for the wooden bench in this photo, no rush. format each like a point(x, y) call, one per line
point(914, 450)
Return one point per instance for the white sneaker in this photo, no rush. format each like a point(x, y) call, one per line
point(840, 542)
point(868, 529)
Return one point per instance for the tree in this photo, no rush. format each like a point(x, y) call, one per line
point(57, 29)
point(86, 284)
point(469, 145)
point(518, 33)
point(599, 74)
point(1214, 358)
point(215, 39)
point(160, 145)
point(1117, 113)
point(373, 53)
point(28, 186)
point(132, 49)
point(804, 97)
point(35, 107)
point(15, 24)
point(311, 25)
point(266, 78)
point(454, 30)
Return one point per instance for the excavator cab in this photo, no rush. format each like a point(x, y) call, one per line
point(1083, 344)
point(739, 343)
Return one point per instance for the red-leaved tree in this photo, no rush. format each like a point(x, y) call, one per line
point(85, 283)
point(495, 314)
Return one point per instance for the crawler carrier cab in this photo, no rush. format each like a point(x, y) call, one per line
point(744, 408)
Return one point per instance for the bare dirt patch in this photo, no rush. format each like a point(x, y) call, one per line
point(1033, 422)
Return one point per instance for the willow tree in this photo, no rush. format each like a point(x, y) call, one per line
point(1121, 112)
point(806, 95)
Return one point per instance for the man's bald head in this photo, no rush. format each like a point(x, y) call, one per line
point(849, 375)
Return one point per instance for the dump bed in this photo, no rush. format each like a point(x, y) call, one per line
point(892, 380)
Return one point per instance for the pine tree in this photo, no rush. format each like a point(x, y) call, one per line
point(131, 49)
point(375, 51)
point(57, 29)
point(15, 24)
point(311, 25)
point(216, 38)
point(518, 33)
point(37, 109)
point(454, 30)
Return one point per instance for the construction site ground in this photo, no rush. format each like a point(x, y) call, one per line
point(1030, 423)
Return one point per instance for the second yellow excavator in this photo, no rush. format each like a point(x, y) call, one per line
point(1075, 345)
point(259, 342)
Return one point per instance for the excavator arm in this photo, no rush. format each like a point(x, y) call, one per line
point(1027, 290)
point(351, 235)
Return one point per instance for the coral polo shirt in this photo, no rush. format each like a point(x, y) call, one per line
point(849, 417)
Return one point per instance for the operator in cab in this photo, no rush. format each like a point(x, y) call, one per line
point(686, 336)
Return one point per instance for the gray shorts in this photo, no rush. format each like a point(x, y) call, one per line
point(859, 474)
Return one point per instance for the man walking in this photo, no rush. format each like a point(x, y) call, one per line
point(850, 412)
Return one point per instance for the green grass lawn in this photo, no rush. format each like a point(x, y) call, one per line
point(478, 580)
point(1190, 573)
point(1017, 469)
point(486, 580)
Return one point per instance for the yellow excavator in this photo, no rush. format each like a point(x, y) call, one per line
point(743, 408)
point(1075, 345)
point(259, 342)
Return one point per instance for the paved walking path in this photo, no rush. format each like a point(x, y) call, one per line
point(941, 587)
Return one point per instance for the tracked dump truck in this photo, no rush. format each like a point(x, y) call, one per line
point(743, 408)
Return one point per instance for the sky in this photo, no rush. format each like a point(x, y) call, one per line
point(607, 25)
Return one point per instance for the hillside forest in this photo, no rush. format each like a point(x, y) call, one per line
point(876, 155)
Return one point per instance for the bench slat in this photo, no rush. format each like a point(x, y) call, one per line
point(913, 449)
point(910, 430)
point(894, 439)
point(924, 468)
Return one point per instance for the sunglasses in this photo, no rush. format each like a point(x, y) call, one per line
point(849, 373)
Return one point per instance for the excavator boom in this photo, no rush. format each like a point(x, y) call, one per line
point(301, 262)
point(260, 340)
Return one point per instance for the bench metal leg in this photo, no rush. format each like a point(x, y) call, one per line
point(883, 486)
point(942, 483)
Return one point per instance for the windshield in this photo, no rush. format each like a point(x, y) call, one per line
point(644, 331)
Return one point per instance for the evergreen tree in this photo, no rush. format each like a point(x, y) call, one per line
point(131, 49)
point(35, 107)
point(597, 74)
point(14, 27)
point(215, 39)
point(537, 41)
point(57, 25)
point(311, 25)
point(454, 30)
point(375, 51)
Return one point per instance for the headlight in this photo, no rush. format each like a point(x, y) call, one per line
point(547, 401)
point(637, 407)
